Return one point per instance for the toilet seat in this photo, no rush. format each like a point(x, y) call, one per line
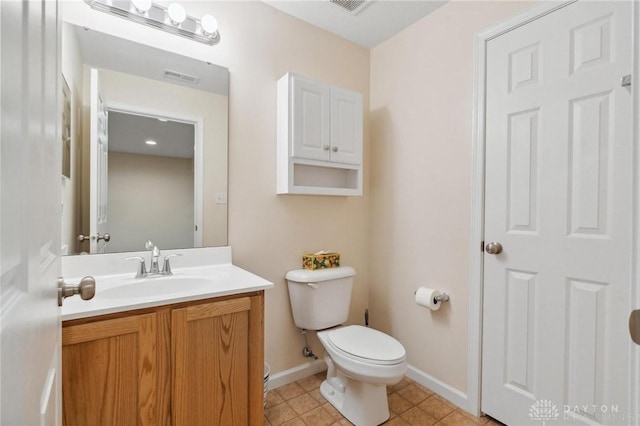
point(366, 345)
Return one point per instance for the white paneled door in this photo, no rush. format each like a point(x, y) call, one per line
point(558, 199)
point(30, 182)
point(98, 173)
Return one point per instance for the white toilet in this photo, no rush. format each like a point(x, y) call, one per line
point(361, 361)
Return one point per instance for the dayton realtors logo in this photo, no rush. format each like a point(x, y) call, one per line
point(543, 410)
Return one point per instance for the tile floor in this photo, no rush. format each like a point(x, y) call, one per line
point(300, 404)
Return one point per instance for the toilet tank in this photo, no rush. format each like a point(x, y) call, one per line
point(320, 299)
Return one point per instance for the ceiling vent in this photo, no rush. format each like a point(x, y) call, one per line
point(185, 78)
point(352, 7)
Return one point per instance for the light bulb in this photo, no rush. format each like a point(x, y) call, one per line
point(177, 14)
point(151, 142)
point(209, 25)
point(141, 6)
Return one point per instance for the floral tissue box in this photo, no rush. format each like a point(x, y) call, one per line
point(321, 260)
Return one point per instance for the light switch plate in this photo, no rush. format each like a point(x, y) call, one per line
point(221, 198)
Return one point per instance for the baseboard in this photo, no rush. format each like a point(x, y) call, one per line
point(446, 391)
point(296, 373)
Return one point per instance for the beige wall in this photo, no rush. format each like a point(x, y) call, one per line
point(421, 147)
point(150, 197)
point(269, 232)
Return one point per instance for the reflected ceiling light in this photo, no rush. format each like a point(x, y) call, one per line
point(173, 19)
point(150, 142)
point(162, 119)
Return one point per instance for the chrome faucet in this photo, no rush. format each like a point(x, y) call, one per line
point(155, 268)
point(155, 254)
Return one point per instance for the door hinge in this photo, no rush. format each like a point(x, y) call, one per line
point(625, 81)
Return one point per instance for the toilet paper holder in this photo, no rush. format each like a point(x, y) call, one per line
point(443, 297)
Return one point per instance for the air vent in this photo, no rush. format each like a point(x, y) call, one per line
point(185, 78)
point(352, 6)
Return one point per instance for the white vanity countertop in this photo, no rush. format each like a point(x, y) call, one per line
point(224, 280)
point(198, 274)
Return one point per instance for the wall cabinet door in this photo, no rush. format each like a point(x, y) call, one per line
point(311, 115)
point(109, 372)
point(217, 362)
point(346, 126)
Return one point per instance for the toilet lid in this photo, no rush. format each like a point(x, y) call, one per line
point(367, 343)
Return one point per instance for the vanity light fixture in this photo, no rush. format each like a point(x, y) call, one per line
point(150, 142)
point(176, 13)
point(172, 19)
point(141, 6)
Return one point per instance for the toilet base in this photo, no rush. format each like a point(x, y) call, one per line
point(363, 404)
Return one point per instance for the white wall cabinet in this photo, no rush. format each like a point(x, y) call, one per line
point(319, 138)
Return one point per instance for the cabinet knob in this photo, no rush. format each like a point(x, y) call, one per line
point(335, 149)
point(326, 147)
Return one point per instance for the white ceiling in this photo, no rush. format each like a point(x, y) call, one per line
point(128, 133)
point(377, 22)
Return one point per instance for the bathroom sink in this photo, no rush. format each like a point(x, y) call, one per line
point(155, 286)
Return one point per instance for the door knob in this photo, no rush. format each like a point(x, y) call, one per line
point(634, 326)
point(86, 289)
point(106, 237)
point(493, 248)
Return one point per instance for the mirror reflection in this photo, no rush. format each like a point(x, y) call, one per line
point(147, 147)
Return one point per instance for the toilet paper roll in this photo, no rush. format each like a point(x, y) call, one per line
point(427, 297)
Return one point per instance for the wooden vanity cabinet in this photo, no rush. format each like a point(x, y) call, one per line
point(109, 372)
point(196, 363)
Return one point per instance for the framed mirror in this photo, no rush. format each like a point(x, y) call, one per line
point(148, 142)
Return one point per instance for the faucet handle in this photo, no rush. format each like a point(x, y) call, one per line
point(142, 266)
point(166, 269)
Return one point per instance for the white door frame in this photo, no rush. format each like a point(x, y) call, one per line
point(198, 162)
point(474, 372)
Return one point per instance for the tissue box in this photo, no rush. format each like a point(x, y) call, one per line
point(320, 261)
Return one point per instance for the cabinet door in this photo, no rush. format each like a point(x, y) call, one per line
point(109, 374)
point(217, 354)
point(346, 126)
point(310, 119)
